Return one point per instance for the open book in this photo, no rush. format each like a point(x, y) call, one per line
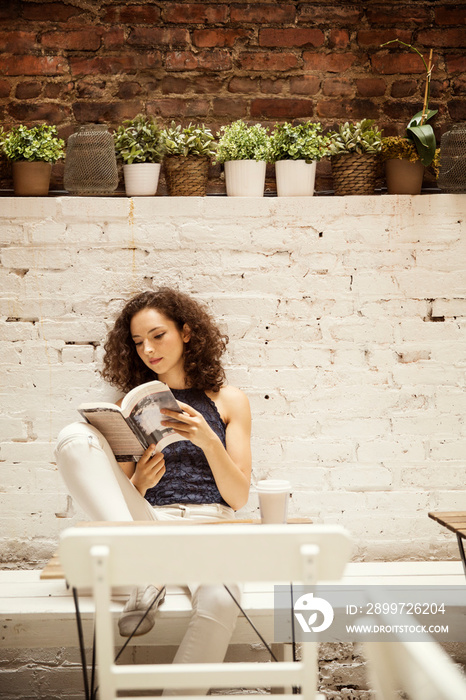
point(137, 424)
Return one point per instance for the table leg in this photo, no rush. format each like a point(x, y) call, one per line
point(462, 552)
point(82, 647)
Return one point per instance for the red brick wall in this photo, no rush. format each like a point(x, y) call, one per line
point(77, 61)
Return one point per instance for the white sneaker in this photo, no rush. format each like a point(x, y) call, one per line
point(140, 599)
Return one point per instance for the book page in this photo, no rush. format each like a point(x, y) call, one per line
point(145, 419)
point(111, 423)
point(159, 393)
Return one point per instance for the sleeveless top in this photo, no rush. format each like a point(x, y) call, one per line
point(188, 477)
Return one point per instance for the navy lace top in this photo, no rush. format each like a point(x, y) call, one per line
point(188, 477)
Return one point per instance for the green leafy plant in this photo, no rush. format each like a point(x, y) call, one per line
point(362, 137)
point(300, 142)
point(193, 140)
point(238, 141)
point(139, 140)
point(33, 144)
point(401, 148)
point(421, 134)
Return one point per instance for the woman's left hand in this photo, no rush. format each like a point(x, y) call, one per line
point(190, 424)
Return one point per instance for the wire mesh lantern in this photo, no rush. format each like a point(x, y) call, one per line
point(452, 176)
point(90, 164)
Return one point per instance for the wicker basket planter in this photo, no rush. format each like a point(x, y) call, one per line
point(186, 176)
point(354, 173)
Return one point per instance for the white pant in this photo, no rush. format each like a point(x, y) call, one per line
point(103, 491)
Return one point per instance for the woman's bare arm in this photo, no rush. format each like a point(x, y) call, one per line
point(231, 467)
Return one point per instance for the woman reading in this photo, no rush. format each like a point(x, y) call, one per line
point(169, 336)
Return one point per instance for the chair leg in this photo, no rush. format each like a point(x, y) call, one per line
point(282, 652)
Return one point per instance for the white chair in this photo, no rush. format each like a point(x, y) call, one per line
point(106, 556)
point(423, 670)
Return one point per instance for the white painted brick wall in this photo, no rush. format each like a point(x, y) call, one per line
point(346, 318)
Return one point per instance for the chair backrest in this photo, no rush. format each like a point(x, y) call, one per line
point(124, 554)
point(423, 670)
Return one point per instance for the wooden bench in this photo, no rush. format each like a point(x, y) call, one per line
point(455, 522)
point(39, 612)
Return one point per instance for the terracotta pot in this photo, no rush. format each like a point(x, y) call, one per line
point(403, 176)
point(31, 178)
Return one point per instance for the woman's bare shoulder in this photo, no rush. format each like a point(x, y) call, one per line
point(232, 393)
point(232, 401)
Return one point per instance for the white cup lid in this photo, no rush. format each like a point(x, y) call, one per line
point(273, 485)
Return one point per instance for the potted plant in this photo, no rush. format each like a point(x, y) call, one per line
point(188, 153)
point(32, 152)
point(404, 170)
point(354, 150)
point(295, 151)
point(138, 142)
point(245, 151)
point(406, 157)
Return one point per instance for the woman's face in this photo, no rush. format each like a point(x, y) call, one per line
point(159, 343)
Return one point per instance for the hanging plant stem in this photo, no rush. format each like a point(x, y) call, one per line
point(417, 130)
point(428, 68)
point(427, 90)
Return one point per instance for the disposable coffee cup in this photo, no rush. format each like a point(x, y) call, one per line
point(274, 495)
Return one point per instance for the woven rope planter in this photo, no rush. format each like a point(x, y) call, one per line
point(186, 176)
point(354, 173)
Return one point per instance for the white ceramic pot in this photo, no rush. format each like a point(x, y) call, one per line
point(141, 179)
point(245, 178)
point(295, 178)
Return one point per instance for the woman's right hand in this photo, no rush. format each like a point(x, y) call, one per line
point(149, 470)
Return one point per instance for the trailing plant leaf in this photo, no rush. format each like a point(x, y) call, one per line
point(362, 137)
point(139, 140)
point(38, 143)
point(423, 136)
point(300, 142)
point(424, 140)
point(238, 141)
point(190, 141)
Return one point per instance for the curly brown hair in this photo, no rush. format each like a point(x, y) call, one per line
point(124, 368)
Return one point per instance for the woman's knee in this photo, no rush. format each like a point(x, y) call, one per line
point(77, 429)
point(78, 433)
point(215, 603)
point(75, 441)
